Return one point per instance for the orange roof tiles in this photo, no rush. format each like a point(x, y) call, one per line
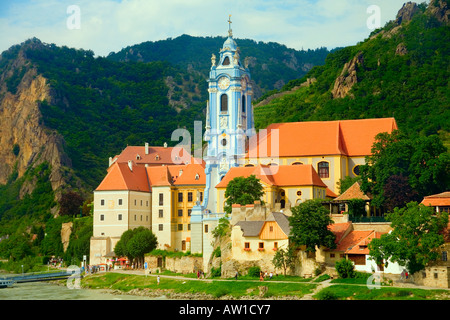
point(155, 156)
point(120, 177)
point(354, 192)
point(191, 174)
point(342, 137)
point(340, 230)
point(437, 200)
point(284, 175)
point(356, 242)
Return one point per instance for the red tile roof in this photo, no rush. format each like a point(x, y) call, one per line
point(343, 137)
point(155, 156)
point(284, 175)
point(120, 177)
point(356, 242)
point(437, 200)
point(354, 192)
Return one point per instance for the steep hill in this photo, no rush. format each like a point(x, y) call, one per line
point(272, 65)
point(402, 70)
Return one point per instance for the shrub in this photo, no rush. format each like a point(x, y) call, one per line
point(254, 271)
point(326, 294)
point(345, 268)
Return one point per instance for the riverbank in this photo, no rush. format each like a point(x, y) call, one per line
point(188, 288)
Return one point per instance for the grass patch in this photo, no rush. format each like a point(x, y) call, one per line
point(215, 288)
point(354, 292)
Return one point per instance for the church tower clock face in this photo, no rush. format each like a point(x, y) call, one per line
point(224, 83)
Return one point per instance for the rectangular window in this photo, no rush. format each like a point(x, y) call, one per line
point(261, 246)
point(134, 217)
point(180, 197)
point(275, 245)
point(119, 217)
point(135, 202)
point(201, 196)
point(161, 214)
point(102, 202)
point(444, 255)
point(331, 255)
point(180, 227)
point(271, 228)
point(189, 196)
point(102, 217)
point(120, 202)
point(160, 227)
point(180, 212)
point(189, 212)
point(189, 227)
point(206, 228)
point(161, 199)
point(141, 203)
point(247, 245)
point(146, 203)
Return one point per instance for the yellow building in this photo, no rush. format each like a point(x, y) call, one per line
point(284, 186)
point(335, 149)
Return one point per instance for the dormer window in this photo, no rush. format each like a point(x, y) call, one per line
point(197, 176)
point(138, 157)
point(157, 157)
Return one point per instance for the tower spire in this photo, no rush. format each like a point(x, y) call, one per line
point(230, 32)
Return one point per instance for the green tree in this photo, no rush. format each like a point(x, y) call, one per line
point(142, 242)
point(135, 243)
point(284, 259)
point(345, 268)
point(424, 161)
point(243, 191)
point(414, 239)
point(309, 226)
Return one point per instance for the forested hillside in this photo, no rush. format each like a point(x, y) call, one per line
point(272, 65)
point(402, 71)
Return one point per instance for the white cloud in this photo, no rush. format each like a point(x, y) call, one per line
point(108, 25)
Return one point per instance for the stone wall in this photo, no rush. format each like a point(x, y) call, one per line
point(184, 264)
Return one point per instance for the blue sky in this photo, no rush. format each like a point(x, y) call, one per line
point(110, 25)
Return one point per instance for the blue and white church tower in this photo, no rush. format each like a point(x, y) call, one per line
point(229, 125)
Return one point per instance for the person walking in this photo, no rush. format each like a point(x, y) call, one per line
point(157, 279)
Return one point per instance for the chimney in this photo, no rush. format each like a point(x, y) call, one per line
point(180, 172)
point(146, 148)
point(165, 144)
point(130, 165)
point(110, 161)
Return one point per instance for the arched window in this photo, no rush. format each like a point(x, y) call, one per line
point(226, 61)
point(297, 163)
point(243, 104)
point(323, 169)
point(356, 170)
point(224, 103)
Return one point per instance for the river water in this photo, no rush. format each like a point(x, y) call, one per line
point(49, 291)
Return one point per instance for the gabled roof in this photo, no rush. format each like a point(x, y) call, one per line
point(356, 242)
point(342, 137)
point(340, 230)
point(253, 228)
point(121, 177)
point(437, 200)
point(282, 221)
point(155, 155)
point(284, 175)
point(189, 174)
point(158, 176)
point(250, 228)
point(354, 192)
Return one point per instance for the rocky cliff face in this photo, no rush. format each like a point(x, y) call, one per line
point(24, 141)
point(347, 78)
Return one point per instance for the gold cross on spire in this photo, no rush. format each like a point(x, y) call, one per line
point(230, 32)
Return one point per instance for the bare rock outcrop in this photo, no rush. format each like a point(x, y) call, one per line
point(406, 13)
point(24, 141)
point(440, 9)
point(347, 78)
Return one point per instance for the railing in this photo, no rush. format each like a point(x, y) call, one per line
point(364, 219)
point(40, 276)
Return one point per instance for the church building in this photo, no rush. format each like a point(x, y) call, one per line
point(182, 203)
